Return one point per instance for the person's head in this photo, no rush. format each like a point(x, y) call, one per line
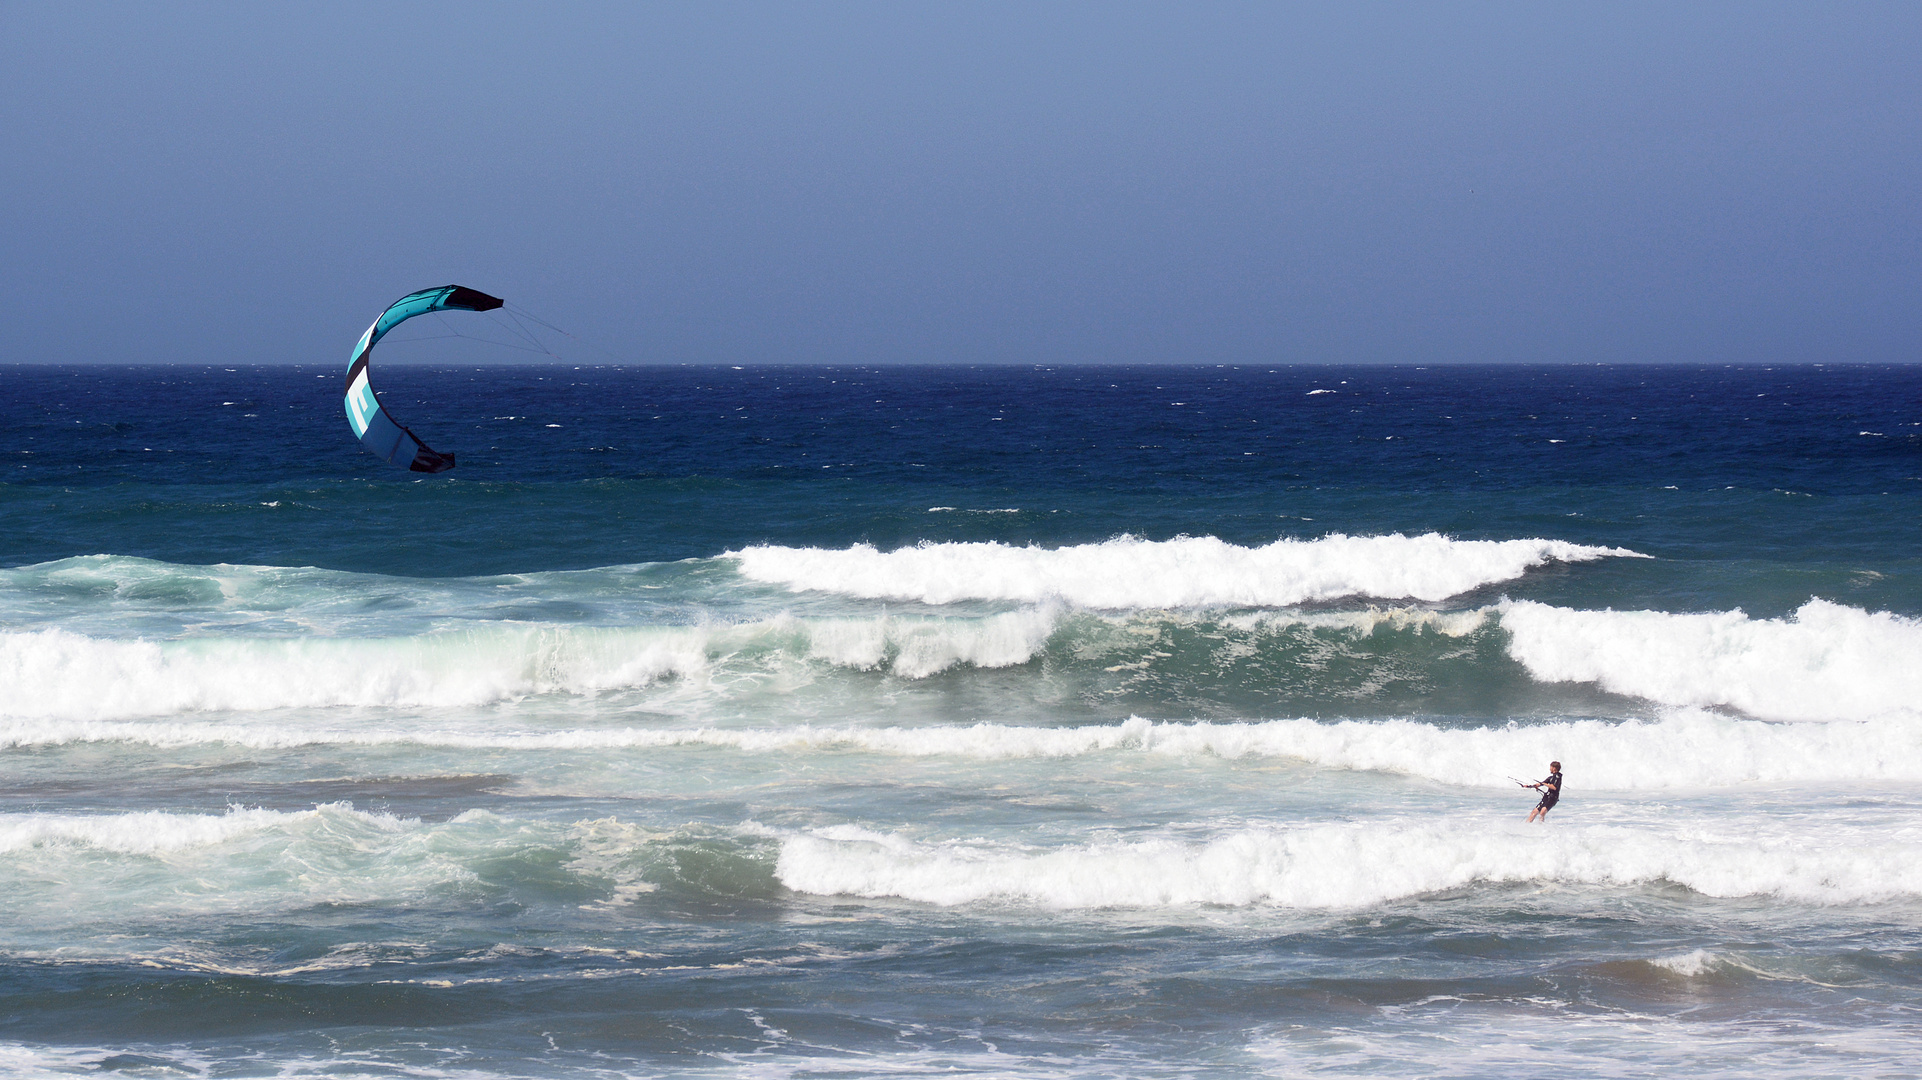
point(1554, 766)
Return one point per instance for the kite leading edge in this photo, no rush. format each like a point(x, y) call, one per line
point(376, 430)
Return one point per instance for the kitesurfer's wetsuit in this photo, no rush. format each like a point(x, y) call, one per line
point(1551, 791)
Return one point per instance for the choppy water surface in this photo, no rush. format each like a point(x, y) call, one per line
point(999, 722)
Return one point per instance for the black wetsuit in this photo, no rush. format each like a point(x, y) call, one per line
point(1551, 792)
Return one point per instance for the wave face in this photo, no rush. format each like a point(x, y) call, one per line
point(257, 861)
point(65, 675)
point(1129, 573)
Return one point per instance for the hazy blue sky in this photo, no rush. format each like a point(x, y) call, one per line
point(977, 183)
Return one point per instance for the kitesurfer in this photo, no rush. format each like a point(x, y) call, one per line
point(1551, 789)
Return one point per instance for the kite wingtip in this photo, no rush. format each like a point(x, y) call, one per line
point(430, 461)
point(471, 299)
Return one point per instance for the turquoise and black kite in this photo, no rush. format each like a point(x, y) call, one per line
point(376, 430)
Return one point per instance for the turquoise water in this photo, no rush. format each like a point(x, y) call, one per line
point(1029, 722)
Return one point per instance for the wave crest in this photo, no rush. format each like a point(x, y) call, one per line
point(57, 674)
point(1128, 572)
point(1827, 661)
point(1341, 866)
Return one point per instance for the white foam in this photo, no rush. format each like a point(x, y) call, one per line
point(1345, 866)
point(57, 674)
point(73, 870)
point(775, 1055)
point(1689, 965)
point(1826, 662)
point(1366, 621)
point(979, 741)
point(1129, 573)
point(54, 673)
point(139, 833)
point(1685, 749)
point(917, 648)
point(1689, 749)
point(37, 1061)
point(79, 877)
point(1475, 1036)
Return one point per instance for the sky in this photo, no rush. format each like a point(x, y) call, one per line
point(974, 183)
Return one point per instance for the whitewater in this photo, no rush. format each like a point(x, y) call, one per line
point(1104, 737)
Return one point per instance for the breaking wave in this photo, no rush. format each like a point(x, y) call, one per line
point(256, 859)
point(142, 833)
point(1343, 866)
point(1127, 572)
point(60, 674)
point(1827, 661)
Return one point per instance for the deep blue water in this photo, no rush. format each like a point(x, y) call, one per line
point(565, 468)
point(996, 721)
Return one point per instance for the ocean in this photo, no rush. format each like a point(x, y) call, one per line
point(989, 722)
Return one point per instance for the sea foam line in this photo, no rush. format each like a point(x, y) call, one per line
point(1128, 572)
point(1686, 749)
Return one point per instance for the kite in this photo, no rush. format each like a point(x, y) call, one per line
point(376, 430)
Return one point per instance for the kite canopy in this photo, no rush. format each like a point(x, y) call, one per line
point(376, 430)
